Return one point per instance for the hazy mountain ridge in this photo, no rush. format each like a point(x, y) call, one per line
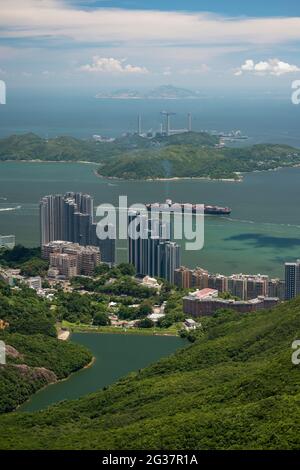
point(164, 92)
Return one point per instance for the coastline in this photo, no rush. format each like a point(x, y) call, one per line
point(122, 331)
point(239, 179)
point(63, 335)
point(174, 178)
point(49, 161)
point(87, 366)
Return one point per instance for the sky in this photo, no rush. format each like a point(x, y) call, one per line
point(110, 44)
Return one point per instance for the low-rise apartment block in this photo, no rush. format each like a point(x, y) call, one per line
point(206, 302)
point(71, 259)
point(243, 286)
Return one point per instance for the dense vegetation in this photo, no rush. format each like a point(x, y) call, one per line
point(32, 147)
point(179, 161)
point(192, 154)
point(28, 260)
point(34, 356)
point(234, 388)
point(25, 312)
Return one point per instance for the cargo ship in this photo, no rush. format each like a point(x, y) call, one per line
point(217, 210)
point(208, 209)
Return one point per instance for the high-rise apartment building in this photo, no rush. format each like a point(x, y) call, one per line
point(149, 247)
point(276, 288)
point(107, 245)
point(69, 217)
point(292, 280)
point(169, 257)
point(66, 217)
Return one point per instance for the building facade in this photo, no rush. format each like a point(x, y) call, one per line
point(71, 259)
point(70, 218)
point(243, 286)
point(292, 280)
point(150, 249)
point(206, 302)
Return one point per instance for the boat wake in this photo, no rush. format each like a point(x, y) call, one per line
point(7, 209)
point(230, 219)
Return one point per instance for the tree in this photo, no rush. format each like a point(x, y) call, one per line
point(126, 313)
point(145, 323)
point(103, 268)
point(101, 319)
point(34, 267)
point(18, 255)
point(126, 269)
point(144, 309)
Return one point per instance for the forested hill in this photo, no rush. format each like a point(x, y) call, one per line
point(190, 161)
point(32, 147)
point(187, 155)
point(234, 388)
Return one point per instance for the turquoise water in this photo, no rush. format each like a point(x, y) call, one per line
point(116, 355)
point(263, 117)
point(262, 232)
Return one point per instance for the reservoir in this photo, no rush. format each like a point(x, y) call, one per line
point(115, 356)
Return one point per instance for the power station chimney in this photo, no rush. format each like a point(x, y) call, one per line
point(139, 124)
point(190, 122)
point(168, 124)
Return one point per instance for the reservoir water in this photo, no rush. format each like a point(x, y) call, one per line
point(116, 355)
point(262, 232)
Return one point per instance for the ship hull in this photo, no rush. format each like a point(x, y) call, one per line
point(208, 210)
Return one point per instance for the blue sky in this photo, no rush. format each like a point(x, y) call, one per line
point(201, 44)
point(228, 7)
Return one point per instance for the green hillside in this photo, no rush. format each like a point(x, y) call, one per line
point(234, 388)
point(35, 357)
point(191, 161)
point(64, 148)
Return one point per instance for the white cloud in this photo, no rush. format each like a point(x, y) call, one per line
point(111, 65)
point(61, 34)
point(26, 74)
point(203, 68)
point(60, 20)
point(271, 66)
point(167, 71)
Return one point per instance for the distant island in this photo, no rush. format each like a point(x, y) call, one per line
point(186, 155)
point(164, 92)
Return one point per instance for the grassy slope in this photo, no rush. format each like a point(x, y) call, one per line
point(234, 388)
